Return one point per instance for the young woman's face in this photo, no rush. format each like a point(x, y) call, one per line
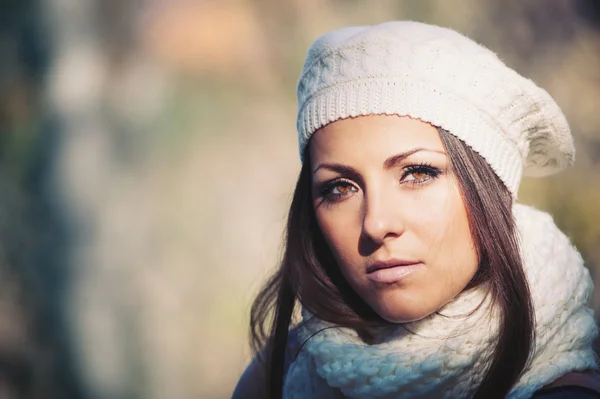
point(391, 212)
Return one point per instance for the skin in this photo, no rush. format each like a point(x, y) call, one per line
point(371, 209)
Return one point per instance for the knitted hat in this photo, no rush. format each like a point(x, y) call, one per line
point(441, 77)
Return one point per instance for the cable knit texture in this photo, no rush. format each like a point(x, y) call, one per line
point(441, 77)
point(443, 355)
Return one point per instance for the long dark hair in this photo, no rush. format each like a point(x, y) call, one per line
point(309, 275)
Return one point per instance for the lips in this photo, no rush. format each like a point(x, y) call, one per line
point(386, 264)
point(391, 271)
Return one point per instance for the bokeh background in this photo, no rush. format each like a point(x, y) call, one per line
point(147, 157)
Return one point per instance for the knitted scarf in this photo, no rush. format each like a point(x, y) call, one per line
point(445, 354)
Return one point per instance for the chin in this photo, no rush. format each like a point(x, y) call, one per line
point(393, 313)
point(404, 317)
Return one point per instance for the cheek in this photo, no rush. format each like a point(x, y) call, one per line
point(454, 241)
point(341, 226)
point(461, 238)
point(433, 217)
point(443, 233)
point(340, 233)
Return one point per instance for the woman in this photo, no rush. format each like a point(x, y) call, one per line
point(418, 274)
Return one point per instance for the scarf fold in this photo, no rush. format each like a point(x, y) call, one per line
point(444, 355)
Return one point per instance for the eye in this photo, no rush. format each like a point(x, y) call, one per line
point(419, 174)
point(336, 190)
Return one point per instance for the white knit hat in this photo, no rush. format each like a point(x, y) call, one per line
point(441, 77)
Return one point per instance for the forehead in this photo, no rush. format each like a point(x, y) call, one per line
point(372, 135)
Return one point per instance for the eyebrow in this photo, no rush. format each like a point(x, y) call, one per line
point(387, 164)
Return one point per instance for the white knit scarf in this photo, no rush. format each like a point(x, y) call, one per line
point(443, 355)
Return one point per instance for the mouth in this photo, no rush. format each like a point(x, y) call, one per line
point(392, 270)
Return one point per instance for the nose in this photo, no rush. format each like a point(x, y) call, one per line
point(382, 218)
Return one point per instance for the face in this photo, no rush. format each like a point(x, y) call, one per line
point(391, 212)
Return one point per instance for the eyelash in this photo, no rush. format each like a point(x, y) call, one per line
point(432, 173)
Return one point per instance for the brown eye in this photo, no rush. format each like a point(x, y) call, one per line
point(337, 190)
point(343, 188)
point(419, 175)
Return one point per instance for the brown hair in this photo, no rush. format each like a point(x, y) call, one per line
point(309, 275)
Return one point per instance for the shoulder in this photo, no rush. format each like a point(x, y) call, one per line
point(253, 383)
point(567, 392)
point(574, 385)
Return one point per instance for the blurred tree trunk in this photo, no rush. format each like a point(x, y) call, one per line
point(36, 359)
point(78, 181)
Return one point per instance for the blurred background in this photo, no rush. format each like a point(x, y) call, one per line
point(147, 157)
